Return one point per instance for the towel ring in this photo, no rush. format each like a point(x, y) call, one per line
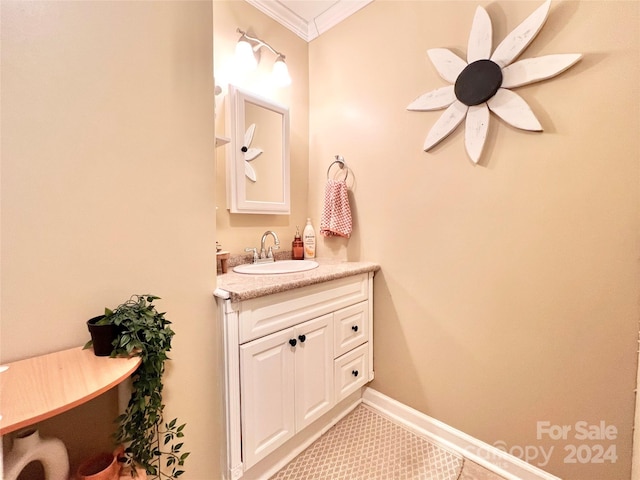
point(340, 161)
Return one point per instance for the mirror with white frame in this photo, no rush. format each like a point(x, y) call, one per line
point(258, 166)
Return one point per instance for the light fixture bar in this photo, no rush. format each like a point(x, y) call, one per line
point(259, 43)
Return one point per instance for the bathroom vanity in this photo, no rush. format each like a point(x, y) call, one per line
point(298, 348)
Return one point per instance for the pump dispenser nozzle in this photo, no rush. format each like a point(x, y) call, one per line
point(297, 246)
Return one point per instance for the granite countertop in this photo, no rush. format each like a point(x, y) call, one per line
point(239, 286)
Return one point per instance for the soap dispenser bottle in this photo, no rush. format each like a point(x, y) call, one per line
point(309, 239)
point(297, 246)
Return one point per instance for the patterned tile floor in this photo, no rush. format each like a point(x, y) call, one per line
point(365, 445)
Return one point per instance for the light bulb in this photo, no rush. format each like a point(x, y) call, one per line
point(280, 73)
point(245, 57)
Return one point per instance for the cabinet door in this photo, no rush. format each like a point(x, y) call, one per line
point(267, 385)
point(314, 370)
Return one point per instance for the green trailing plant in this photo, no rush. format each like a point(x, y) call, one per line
point(150, 442)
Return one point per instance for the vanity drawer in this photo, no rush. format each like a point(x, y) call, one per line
point(351, 371)
point(351, 327)
point(262, 316)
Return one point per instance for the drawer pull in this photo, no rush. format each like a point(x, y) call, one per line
point(354, 373)
point(354, 328)
point(293, 342)
point(302, 338)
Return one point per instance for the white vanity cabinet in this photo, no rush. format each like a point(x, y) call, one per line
point(286, 382)
point(290, 358)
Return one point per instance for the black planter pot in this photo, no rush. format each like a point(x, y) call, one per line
point(102, 336)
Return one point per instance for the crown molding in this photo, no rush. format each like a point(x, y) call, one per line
point(301, 27)
point(337, 13)
point(283, 15)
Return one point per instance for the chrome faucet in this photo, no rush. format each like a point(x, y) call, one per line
point(265, 256)
point(276, 245)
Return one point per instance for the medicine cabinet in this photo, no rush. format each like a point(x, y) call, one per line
point(258, 163)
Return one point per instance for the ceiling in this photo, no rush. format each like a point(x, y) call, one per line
point(309, 18)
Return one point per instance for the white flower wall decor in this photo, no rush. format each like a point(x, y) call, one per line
point(483, 82)
point(250, 153)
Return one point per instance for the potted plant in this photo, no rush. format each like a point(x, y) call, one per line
point(148, 439)
point(103, 336)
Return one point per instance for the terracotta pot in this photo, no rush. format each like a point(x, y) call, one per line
point(104, 466)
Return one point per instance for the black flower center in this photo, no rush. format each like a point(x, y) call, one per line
point(478, 82)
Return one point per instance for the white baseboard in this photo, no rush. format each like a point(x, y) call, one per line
point(488, 456)
point(635, 451)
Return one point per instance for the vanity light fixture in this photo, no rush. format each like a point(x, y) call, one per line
point(248, 56)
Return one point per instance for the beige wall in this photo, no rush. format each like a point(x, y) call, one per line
point(509, 291)
point(108, 190)
point(237, 231)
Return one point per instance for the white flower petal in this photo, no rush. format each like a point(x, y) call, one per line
point(249, 172)
point(248, 135)
point(479, 45)
point(514, 110)
point(434, 100)
point(515, 43)
point(252, 153)
point(475, 130)
point(447, 123)
point(447, 63)
point(532, 70)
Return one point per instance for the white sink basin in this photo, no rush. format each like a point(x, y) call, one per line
point(283, 266)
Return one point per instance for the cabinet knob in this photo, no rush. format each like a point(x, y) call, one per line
point(354, 328)
point(354, 373)
point(302, 338)
point(293, 342)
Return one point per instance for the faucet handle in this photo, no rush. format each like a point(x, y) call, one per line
point(255, 253)
point(271, 249)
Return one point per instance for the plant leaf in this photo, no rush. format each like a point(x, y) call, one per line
point(144, 333)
